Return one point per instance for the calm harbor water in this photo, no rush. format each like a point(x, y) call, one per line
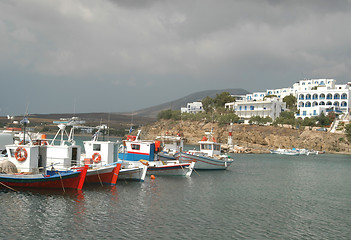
point(258, 197)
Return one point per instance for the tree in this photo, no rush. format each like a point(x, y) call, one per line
point(208, 104)
point(285, 118)
point(323, 120)
point(348, 131)
point(223, 98)
point(169, 114)
point(290, 102)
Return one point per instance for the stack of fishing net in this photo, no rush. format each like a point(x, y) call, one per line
point(7, 166)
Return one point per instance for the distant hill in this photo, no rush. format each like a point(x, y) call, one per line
point(152, 112)
point(141, 116)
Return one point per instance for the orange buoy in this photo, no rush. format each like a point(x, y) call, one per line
point(152, 176)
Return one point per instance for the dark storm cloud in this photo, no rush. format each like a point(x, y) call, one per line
point(112, 49)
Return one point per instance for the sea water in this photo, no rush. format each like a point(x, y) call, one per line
point(261, 196)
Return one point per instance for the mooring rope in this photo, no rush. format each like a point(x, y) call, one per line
point(62, 182)
point(8, 187)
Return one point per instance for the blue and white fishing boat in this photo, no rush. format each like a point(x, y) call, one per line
point(144, 152)
point(209, 156)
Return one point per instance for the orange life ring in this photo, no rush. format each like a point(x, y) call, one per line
point(96, 157)
point(21, 154)
point(44, 143)
point(20, 143)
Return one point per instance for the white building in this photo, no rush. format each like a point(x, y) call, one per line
point(256, 96)
point(312, 101)
point(269, 107)
point(194, 107)
point(315, 96)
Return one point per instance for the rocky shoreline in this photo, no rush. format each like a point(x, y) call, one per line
point(252, 138)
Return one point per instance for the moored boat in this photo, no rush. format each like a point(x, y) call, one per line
point(144, 152)
point(209, 156)
point(105, 153)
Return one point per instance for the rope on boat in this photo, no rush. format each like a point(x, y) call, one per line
point(62, 182)
point(8, 187)
point(97, 170)
point(195, 171)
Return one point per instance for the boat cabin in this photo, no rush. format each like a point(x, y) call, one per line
point(26, 157)
point(210, 148)
point(137, 150)
point(101, 152)
point(171, 144)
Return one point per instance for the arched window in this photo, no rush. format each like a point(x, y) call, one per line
point(308, 96)
point(308, 104)
point(336, 103)
point(344, 96)
point(321, 103)
point(301, 97)
point(322, 96)
point(329, 103)
point(336, 96)
point(343, 104)
point(301, 104)
point(321, 83)
point(329, 96)
point(314, 104)
point(315, 96)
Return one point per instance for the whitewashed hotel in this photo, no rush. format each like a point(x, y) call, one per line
point(318, 96)
point(269, 107)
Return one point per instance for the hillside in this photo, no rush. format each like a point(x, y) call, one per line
point(259, 139)
point(152, 112)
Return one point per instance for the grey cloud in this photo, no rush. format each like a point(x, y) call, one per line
point(147, 47)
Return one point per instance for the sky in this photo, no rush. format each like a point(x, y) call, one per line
point(80, 56)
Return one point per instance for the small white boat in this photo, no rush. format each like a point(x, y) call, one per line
point(209, 157)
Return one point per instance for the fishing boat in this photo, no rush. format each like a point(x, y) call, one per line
point(30, 171)
point(105, 153)
point(170, 145)
point(66, 155)
point(143, 152)
point(209, 156)
point(51, 179)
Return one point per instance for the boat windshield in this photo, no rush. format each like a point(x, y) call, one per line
point(217, 147)
point(206, 146)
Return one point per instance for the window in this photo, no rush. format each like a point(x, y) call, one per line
point(314, 112)
point(12, 152)
point(252, 108)
point(206, 146)
point(304, 113)
point(96, 147)
point(217, 147)
point(135, 147)
point(245, 108)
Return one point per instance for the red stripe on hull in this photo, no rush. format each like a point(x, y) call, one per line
point(109, 177)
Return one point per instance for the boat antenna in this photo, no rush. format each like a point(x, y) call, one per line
point(24, 122)
point(108, 125)
point(74, 107)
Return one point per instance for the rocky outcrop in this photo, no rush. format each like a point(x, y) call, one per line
point(258, 139)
